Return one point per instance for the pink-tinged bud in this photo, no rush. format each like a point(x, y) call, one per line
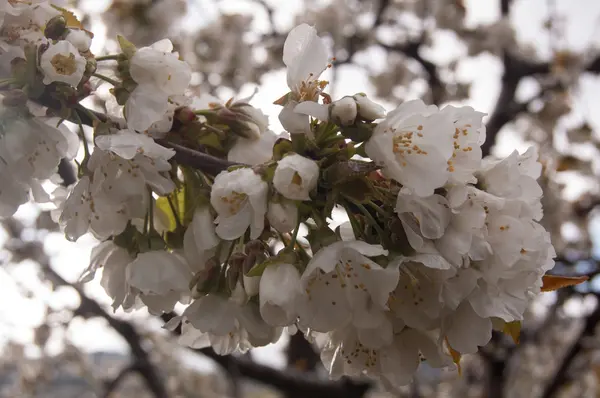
point(185, 115)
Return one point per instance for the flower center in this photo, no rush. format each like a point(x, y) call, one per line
point(296, 179)
point(64, 64)
point(234, 201)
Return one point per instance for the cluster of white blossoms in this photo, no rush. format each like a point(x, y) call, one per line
point(440, 248)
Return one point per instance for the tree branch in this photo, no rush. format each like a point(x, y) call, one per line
point(112, 385)
point(292, 383)
point(411, 50)
point(561, 375)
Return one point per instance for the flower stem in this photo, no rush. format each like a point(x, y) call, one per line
point(112, 57)
point(150, 211)
point(86, 149)
point(175, 212)
point(6, 82)
point(292, 243)
point(106, 79)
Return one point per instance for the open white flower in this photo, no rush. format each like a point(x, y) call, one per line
point(422, 217)
point(469, 134)
point(279, 293)
point(30, 151)
point(240, 199)
point(128, 143)
point(295, 177)
point(159, 273)
point(80, 39)
point(514, 177)
point(231, 326)
point(200, 239)
point(414, 141)
point(253, 152)
point(61, 62)
point(343, 285)
point(306, 57)
point(159, 74)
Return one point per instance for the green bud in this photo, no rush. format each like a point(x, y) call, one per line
point(56, 27)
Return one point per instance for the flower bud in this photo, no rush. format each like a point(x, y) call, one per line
point(55, 27)
point(244, 120)
point(344, 111)
point(367, 109)
point(296, 176)
point(90, 67)
point(185, 115)
point(80, 39)
point(283, 215)
point(233, 275)
point(15, 98)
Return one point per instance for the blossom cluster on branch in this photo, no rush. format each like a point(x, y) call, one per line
point(440, 246)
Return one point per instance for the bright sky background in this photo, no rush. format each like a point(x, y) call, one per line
point(19, 315)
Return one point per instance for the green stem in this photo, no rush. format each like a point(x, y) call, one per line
point(6, 82)
point(106, 79)
point(371, 219)
point(355, 226)
point(86, 149)
point(292, 243)
point(150, 211)
point(112, 57)
point(175, 212)
point(378, 209)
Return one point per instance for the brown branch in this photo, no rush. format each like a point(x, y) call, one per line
point(561, 376)
point(292, 383)
point(411, 50)
point(183, 155)
point(112, 385)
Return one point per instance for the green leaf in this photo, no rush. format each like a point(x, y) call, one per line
point(178, 200)
point(358, 190)
point(282, 146)
point(321, 237)
point(513, 329)
point(127, 47)
point(211, 140)
point(358, 133)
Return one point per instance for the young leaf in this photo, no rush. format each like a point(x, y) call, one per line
point(513, 329)
point(555, 282)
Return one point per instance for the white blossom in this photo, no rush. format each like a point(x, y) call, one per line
point(200, 239)
point(295, 177)
point(469, 134)
point(240, 199)
point(368, 109)
point(306, 57)
point(128, 143)
point(282, 215)
point(279, 293)
point(253, 152)
point(231, 326)
point(159, 74)
point(61, 62)
point(80, 39)
point(413, 141)
point(343, 285)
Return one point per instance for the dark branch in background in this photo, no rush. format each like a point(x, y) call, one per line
point(411, 50)
point(89, 308)
point(292, 383)
point(383, 5)
point(112, 385)
point(561, 376)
